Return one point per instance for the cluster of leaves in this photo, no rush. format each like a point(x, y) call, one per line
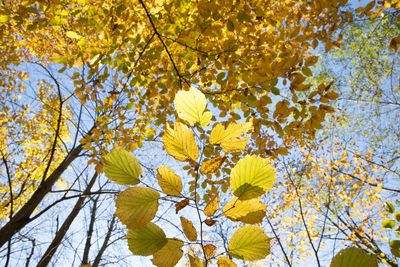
point(251, 178)
point(391, 224)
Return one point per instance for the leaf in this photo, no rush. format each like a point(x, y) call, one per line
point(212, 165)
point(170, 253)
point(170, 183)
point(136, 206)
point(389, 207)
point(250, 211)
point(73, 35)
point(249, 243)
point(209, 249)
point(122, 167)
point(252, 177)
point(190, 106)
point(4, 18)
point(225, 262)
point(195, 262)
point(188, 229)
point(210, 222)
point(146, 240)
point(181, 204)
point(212, 206)
point(395, 244)
point(389, 224)
point(180, 143)
point(228, 137)
point(397, 216)
point(354, 257)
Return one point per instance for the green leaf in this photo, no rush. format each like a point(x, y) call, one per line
point(389, 223)
point(354, 257)
point(180, 143)
point(170, 253)
point(190, 106)
point(136, 206)
point(250, 211)
point(395, 244)
point(252, 177)
point(146, 240)
point(389, 207)
point(249, 243)
point(122, 167)
point(170, 183)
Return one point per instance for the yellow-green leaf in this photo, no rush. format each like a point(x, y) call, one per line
point(122, 167)
point(212, 165)
point(250, 211)
point(354, 257)
point(180, 143)
point(146, 240)
point(4, 18)
point(252, 177)
point(73, 35)
point(188, 229)
point(212, 206)
point(136, 206)
point(190, 106)
point(170, 253)
point(225, 262)
point(249, 243)
point(169, 182)
point(195, 262)
point(228, 137)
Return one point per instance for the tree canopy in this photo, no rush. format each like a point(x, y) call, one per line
point(202, 131)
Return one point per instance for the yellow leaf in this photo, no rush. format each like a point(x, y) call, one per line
point(73, 35)
point(209, 249)
point(122, 167)
point(169, 182)
point(212, 207)
point(188, 229)
point(212, 165)
point(180, 143)
point(195, 262)
point(136, 206)
point(146, 240)
point(170, 253)
point(225, 262)
point(249, 243)
point(252, 177)
point(250, 211)
point(228, 137)
point(190, 106)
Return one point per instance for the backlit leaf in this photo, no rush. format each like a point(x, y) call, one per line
point(389, 223)
point(195, 262)
point(249, 243)
point(146, 240)
point(250, 211)
point(190, 106)
point(212, 165)
point(252, 177)
point(169, 182)
point(136, 206)
point(170, 253)
point(225, 262)
point(188, 229)
point(122, 167)
point(228, 137)
point(180, 143)
point(181, 204)
point(354, 257)
point(212, 206)
point(73, 35)
point(209, 249)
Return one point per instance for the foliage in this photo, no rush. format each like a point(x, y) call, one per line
point(251, 177)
